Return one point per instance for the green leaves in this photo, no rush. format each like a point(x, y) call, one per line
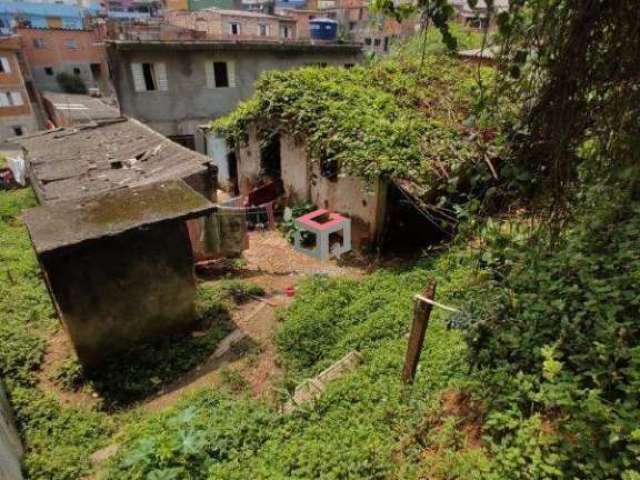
point(388, 119)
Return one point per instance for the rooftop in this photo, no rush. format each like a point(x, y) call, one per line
point(69, 163)
point(220, 44)
point(66, 223)
point(81, 108)
point(243, 13)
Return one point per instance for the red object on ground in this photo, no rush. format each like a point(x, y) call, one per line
point(290, 291)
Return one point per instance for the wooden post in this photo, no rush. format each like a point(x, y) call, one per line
point(421, 313)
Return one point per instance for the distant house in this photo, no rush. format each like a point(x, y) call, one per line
point(235, 24)
point(43, 15)
point(17, 116)
point(477, 16)
point(118, 230)
point(76, 52)
point(176, 86)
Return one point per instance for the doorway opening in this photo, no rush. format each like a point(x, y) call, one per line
point(270, 164)
point(410, 226)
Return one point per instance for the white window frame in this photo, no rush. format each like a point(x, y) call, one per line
point(159, 73)
point(71, 44)
point(267, 29)
point(6, 65)
point(285, 31)
point(239, 29)
point(211, 77)
point(11, 99)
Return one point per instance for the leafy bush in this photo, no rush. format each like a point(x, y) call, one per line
point(555, 336)
point(71, 83)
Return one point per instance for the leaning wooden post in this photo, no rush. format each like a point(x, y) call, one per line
point(421, 313)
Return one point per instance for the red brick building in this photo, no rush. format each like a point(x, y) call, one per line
point(17, 116)
point(50, 52)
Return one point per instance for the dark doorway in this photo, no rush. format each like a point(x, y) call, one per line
point(411, 227)
point(270, 158)
point(233, 172)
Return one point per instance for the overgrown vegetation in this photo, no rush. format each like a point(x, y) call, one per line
point(356, 424)
point(71, 83)
point(395, 118)
point(536, 376)
point(58, 439)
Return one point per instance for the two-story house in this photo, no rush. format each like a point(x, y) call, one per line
point(176, 86)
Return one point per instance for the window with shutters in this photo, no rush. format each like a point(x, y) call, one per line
point(148, 77)
point(5, 67)
point(263, 30)
point(220, 74)
point(38, 42)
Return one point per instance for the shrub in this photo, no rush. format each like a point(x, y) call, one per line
point(71, 83)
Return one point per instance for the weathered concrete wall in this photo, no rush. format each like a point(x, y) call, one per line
point(10, 445)
point(295, 169)
point(350, 196)
point(248, 163)
point(363, 203)
point(94, 284)
point(188, 102)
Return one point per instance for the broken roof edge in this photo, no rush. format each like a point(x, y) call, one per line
point(67, 223)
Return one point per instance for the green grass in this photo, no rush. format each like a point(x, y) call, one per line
point(354, 428)
point(60, 439)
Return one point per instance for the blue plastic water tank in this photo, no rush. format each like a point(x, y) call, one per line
point(323, 29)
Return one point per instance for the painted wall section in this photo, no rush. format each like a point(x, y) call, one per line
point(153, 264)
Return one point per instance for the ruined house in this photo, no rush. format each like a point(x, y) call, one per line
point(383, 212)
point(115, 232)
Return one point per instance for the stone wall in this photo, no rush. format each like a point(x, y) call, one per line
point(10, 445)
point(94, 284)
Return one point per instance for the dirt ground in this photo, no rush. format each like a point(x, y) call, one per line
point(248, 351)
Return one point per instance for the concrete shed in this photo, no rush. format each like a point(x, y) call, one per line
point(119, 264)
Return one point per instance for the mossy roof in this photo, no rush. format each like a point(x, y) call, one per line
point(65, 223)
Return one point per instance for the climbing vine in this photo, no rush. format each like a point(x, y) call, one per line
point(374, 120)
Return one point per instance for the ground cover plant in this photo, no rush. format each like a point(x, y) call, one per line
point(58, 438)
point(353, 430)
point(146, 369)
